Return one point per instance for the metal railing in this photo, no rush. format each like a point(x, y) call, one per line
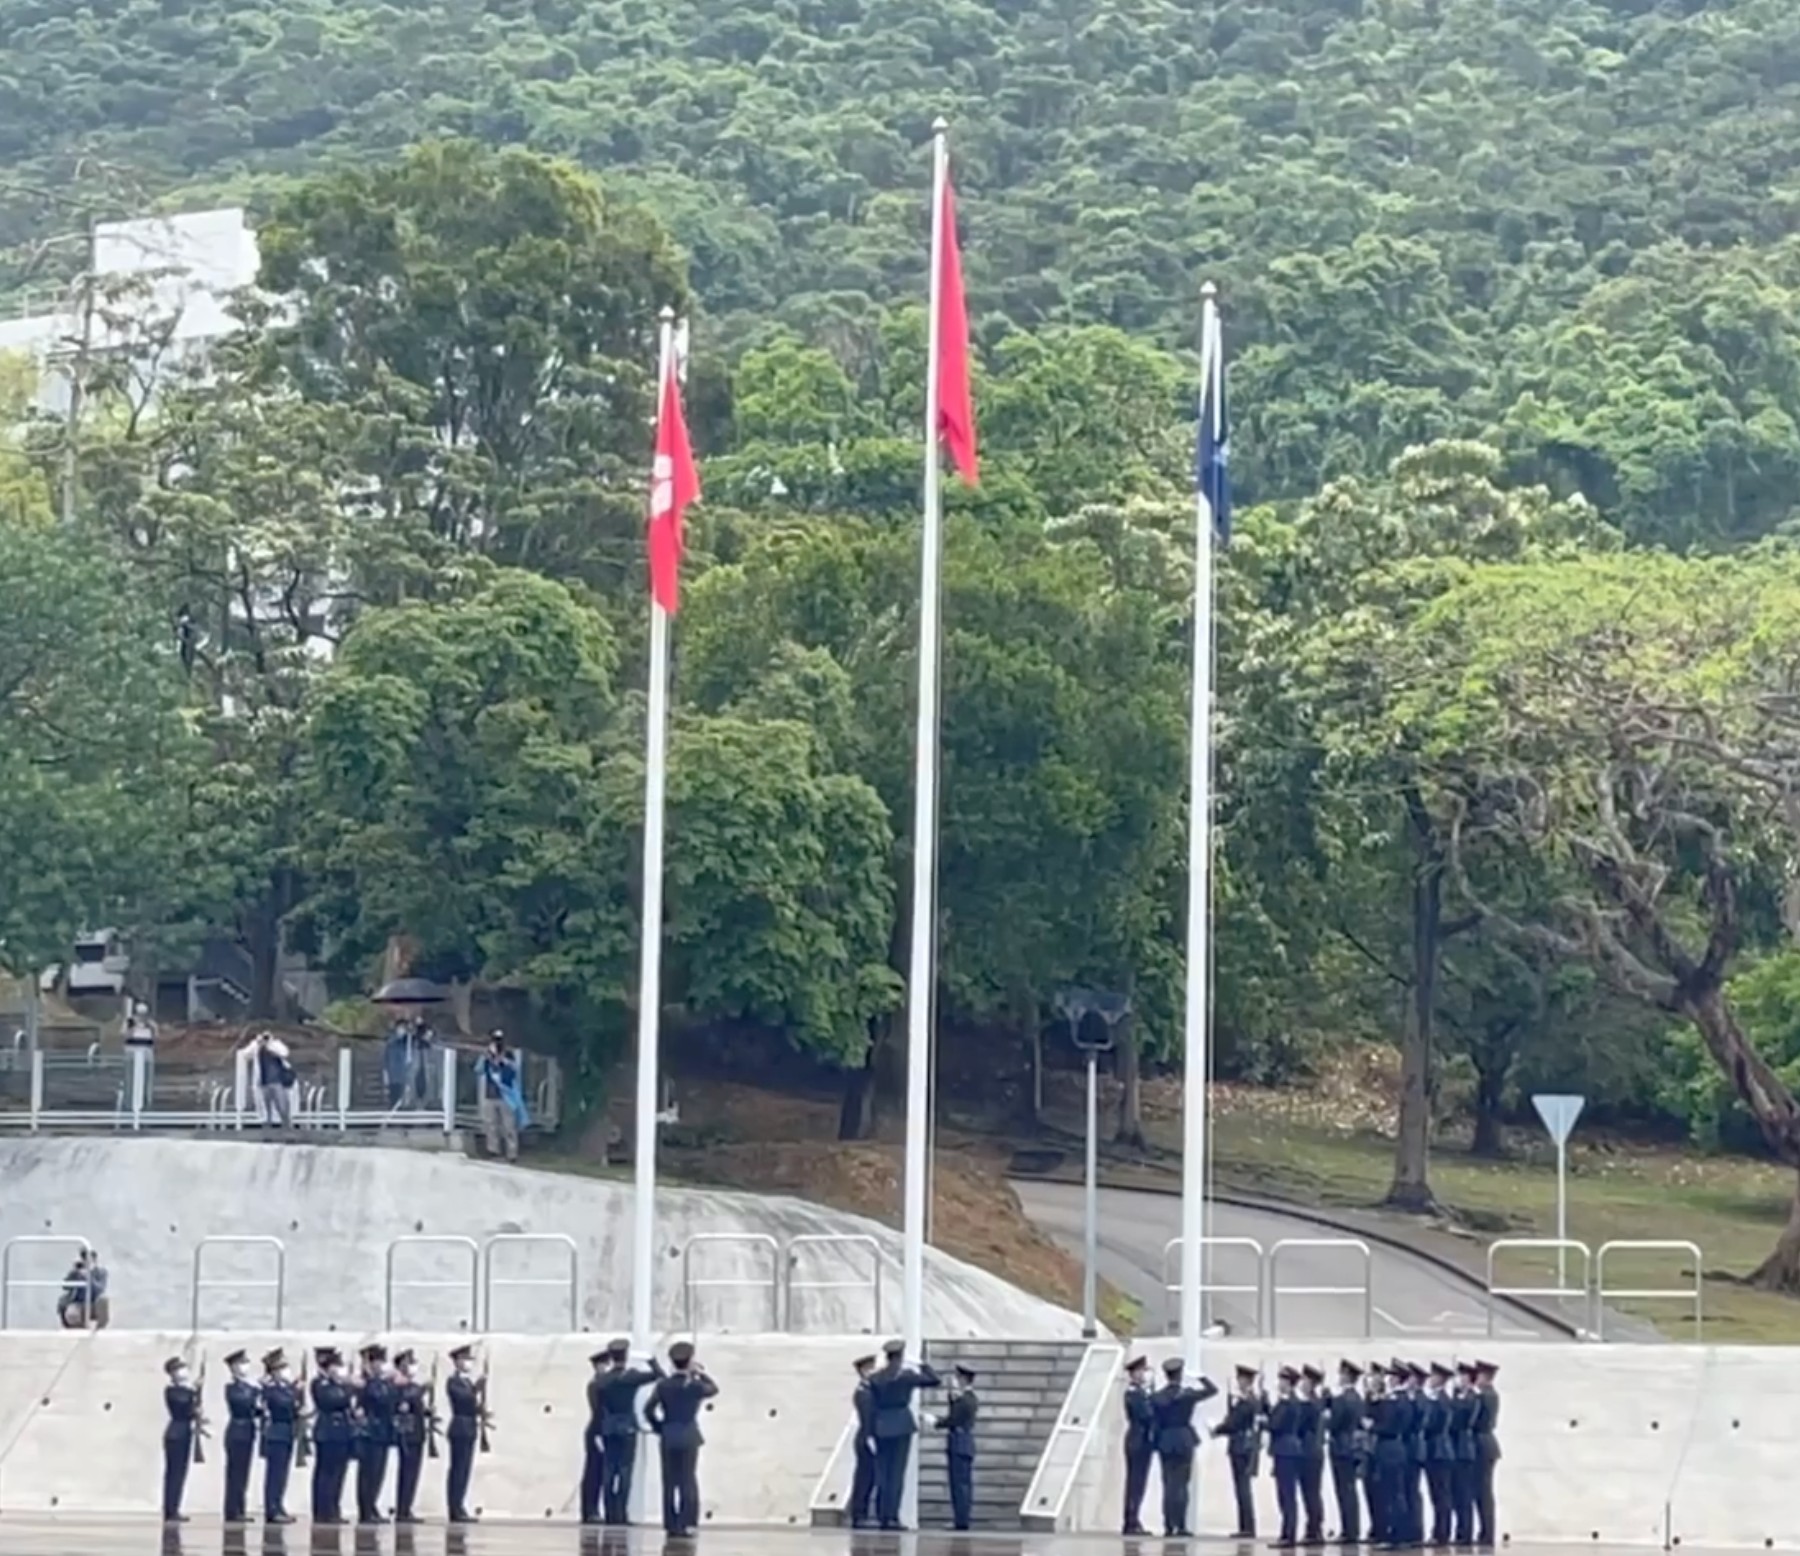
point(278, 1285)
point(10, 1282)
point(472, 1286)
point(751, 1240)
point(831, 1492)
point(571, 1283)
point(1561, 1290)
point(844, 1242)
point(1277, 1291)
point(1603, 1292)
point(1059, 1466)
point(1209, 1288)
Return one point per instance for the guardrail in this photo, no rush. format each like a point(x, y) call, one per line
point(571, 1282)
point(472, 1285)
point(1604, 1292)
point(278, 1285)
point(1172, 1280)
point(1561, 1291)
point(10, 1282)
point(752, 1240)
point(844, 1241)
point(1046, 1499)
point(1366, 1291)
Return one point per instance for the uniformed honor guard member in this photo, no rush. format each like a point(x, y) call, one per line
point(1440, 1454)
point(1287, 1448)
point(334, 1435)
point(1312, 1461)
point(1393, 1431)
point(1487, 1451)
point(1347, 1421)
point(1417, 1504)
point(674, 1415)
point(862, 1483)
point(958, 1426)
point(1242, 1430)
point(593, 1445)
point(281, 1416)
point(182, 1402)
point(243, 1414)
point(1140, 1441)
point(412, 1431)
point(620, 1384)
point(463, 1432)
point(1374, 1387)
point(1176, 1440)
point(891, 1390)
point(1463, 1406)
point(375, 1401)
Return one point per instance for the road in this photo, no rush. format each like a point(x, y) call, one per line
point(1412, 1298)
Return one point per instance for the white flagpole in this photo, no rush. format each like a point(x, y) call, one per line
point(656, 755)
point(1194, 1185)
point(921, 969)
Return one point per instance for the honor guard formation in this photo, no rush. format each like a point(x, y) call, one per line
point(885, 1428)
point(1414, 1446)
point(331, 1421)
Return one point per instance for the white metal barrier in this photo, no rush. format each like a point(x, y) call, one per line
point(1277, 1291)
point(278, 1285)
point(10, 1282)
point(1561, 1290)
point(1058, 1467)
point(752, 1240)
point(1172, 1280)
point(571, 1283)
point(472, 1286)
point(845, 1241)
point(831, 1492)
point(1602, 1291)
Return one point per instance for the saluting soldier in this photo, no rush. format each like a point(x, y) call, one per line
point(243, 1414)
point(1176, 1440)
point(1392, 1414)
point(1287, 1421)
point(1346, 1420)
point(1140, 1440)
point(958, 1426)
point(1440, 1453)
point(412, 1429)
point(464, 1430)
point(182, 1402)
point(862, 1483)
point(891, 1389)
point(1242, 1431)
point(1487, 1451)
point(334, 1435)
point(281, 1415)
point(674, 1415)
point(1463, 1407)
point(620, 1385)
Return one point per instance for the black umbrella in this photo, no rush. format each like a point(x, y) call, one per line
point(410, 991)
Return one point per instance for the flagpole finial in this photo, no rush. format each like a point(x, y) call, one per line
point(939, 125)
point(1207, 289)
point(666, 313)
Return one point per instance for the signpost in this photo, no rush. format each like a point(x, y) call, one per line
point(1559, 1111)
point(1093, 1039)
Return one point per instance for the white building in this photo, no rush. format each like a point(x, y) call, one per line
point(158, 288)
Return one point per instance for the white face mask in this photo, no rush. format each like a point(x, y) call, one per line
point(335, 1372)
point(240, 1371)
point(463, 1365)
point(1287, 1389)
point(283, 1374)
point(378, 1369)
point(181, 1377)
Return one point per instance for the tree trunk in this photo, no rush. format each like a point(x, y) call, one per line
point(1411, 1188)
point(1781, 1270)
point(856, 1111)
point(1130, 1129)
point(1490, 1085)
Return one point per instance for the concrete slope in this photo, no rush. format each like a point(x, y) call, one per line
point(146, 1203)
point(1414, 1299)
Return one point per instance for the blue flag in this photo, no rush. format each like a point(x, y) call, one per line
point(1212, 478)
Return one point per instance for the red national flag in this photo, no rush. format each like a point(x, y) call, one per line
point(956, 402)
point(674, 483)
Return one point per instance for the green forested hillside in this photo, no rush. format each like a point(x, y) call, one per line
point(1533, 219)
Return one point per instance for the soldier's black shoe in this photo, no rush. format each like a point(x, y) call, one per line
point(408, 1518)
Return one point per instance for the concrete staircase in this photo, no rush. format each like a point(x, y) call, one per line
point(1021, 1385)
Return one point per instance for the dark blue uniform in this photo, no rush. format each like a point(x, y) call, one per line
point(376, 1398)
point(1312, 1469)
point(463, 1432)
point(1176, 1440)
point(412, 1426)
point(615, 1424)
point(958, 1426)
point(1415, 1478)
point(1242, 1431)
point(182, 1401)
point(674, 1415)
point(1140, 1449)
point(1288, 1421)
point(334, 1436)
point(862, 1483)
point(1487, 1456)
point(1391, 1417)
point(243, 1413)
point(1345, 1419)
point(1440, 1459)
point(281, 1412)
point(1463, 1408)
point(891, 1389)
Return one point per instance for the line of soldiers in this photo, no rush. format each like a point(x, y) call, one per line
point(886, 1426)
point(384, 1412)
point(1159, 1424)
point(610, 1443)
point(1409, 1432)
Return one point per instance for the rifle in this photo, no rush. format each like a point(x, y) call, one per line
point(200, 1415)
point(303, 1419)
point(481, 1406)
point(431, 1420)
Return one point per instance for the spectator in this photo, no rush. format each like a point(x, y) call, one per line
point(403, 1061)
point(140, 1037)
point(83, 1303)
point(274, 1080)
point(424, 1041)
point(502, 1104)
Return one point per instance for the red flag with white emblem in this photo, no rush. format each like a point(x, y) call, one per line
point(674, 483)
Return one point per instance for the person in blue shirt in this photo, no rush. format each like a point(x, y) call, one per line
point(502, 1102)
